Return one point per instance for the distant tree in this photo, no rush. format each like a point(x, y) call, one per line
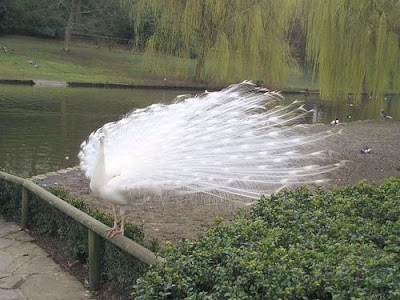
point(354, 45)
point(104, 17)
point(4, 15)
point(37, 17)
point(95, 17)
point(73, 9)
point(229, 39)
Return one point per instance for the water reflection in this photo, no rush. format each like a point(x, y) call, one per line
point(41, 127)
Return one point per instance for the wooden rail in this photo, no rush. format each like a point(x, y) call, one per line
point(95, 228)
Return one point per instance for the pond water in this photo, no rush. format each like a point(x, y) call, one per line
point(42, 128)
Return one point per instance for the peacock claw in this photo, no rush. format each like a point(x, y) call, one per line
point(111, 230)
point(114, 233)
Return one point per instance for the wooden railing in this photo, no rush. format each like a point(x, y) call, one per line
point(96, 229)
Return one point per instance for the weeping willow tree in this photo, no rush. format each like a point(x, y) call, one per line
point(354, 45)
point(230, 39)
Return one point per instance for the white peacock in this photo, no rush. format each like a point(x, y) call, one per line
point(233, 144)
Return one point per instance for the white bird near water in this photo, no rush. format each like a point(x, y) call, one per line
point(232, 144)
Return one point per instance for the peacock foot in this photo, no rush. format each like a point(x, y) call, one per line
point(115, 232)
point(112, 230)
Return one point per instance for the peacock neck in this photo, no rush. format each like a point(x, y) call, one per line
point(99, 174)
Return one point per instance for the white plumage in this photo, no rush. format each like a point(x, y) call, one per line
point(235, 143)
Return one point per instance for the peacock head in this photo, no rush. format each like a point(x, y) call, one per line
point(101, 137)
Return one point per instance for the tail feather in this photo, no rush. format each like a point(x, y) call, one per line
point(234, 142)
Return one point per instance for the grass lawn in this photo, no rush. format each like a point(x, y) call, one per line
point(89, 63)
point(85, 62)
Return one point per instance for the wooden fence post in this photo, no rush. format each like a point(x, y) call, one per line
point(94, 260)
point(26, 195)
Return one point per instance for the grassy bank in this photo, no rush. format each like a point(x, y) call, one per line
point(85, 62)
point(90, 63)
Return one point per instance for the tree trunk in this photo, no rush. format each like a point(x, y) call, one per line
point(70, 24)
point(201, 60)
point(78, 16)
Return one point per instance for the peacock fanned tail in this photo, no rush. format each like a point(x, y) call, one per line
point(238, 142)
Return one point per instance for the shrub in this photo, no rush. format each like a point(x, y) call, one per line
point(342, 244)
point(117, 266)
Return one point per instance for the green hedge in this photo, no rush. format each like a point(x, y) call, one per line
point(343, 244)
point(117, 266)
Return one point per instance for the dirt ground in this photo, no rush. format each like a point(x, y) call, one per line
point(175, 219)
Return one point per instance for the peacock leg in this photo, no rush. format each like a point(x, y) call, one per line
point(122, 224)
point(115, 227)
point(120, 231)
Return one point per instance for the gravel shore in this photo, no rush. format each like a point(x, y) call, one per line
point(176, 219)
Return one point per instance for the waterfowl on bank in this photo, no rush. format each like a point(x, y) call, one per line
point(385, 115)
point(366, 150)
point(335, 122)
